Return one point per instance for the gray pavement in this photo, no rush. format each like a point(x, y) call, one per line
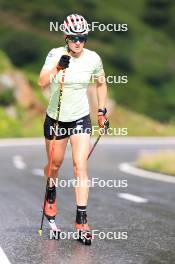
point(150, 226)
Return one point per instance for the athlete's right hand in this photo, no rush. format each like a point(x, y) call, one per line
point(64, 62)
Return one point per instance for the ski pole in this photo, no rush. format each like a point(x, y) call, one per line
point(92, 149)
point(106, 125)
point(52, 151)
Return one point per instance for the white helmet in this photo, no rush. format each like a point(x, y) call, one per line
point(75, 25)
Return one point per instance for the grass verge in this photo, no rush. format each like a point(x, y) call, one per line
point(160, 161)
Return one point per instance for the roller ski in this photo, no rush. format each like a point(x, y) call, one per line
point(83, 229)
point(50, 211)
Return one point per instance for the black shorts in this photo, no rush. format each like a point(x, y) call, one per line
point(66, 129)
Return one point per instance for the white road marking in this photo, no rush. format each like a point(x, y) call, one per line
point(21, 142)
point(18, 162)
point(38, 172)
point(133, 198)
point(128, 168)
point(3, 257)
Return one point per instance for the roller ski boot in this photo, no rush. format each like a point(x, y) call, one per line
point(50, 210)
point(83, 229)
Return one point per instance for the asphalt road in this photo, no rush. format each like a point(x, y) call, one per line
point(149, 225)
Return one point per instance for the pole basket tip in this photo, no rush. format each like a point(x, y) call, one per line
point(39, 232)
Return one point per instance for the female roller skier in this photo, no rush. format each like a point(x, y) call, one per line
point(76, 63)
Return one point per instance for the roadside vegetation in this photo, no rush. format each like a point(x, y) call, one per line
point(144, 53)
point(160, 161)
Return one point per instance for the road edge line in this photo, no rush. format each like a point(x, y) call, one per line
point(3, 257)
point(129, 168)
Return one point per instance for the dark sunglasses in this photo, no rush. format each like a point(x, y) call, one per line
point(77, 38)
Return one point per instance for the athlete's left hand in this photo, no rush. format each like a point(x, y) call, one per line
point(102, 119)
point(103, 122)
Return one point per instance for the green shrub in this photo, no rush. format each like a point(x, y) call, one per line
point(157, 18)
point(22, 48)
point(157, 12)
point(7, 97)
point(122, 62)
